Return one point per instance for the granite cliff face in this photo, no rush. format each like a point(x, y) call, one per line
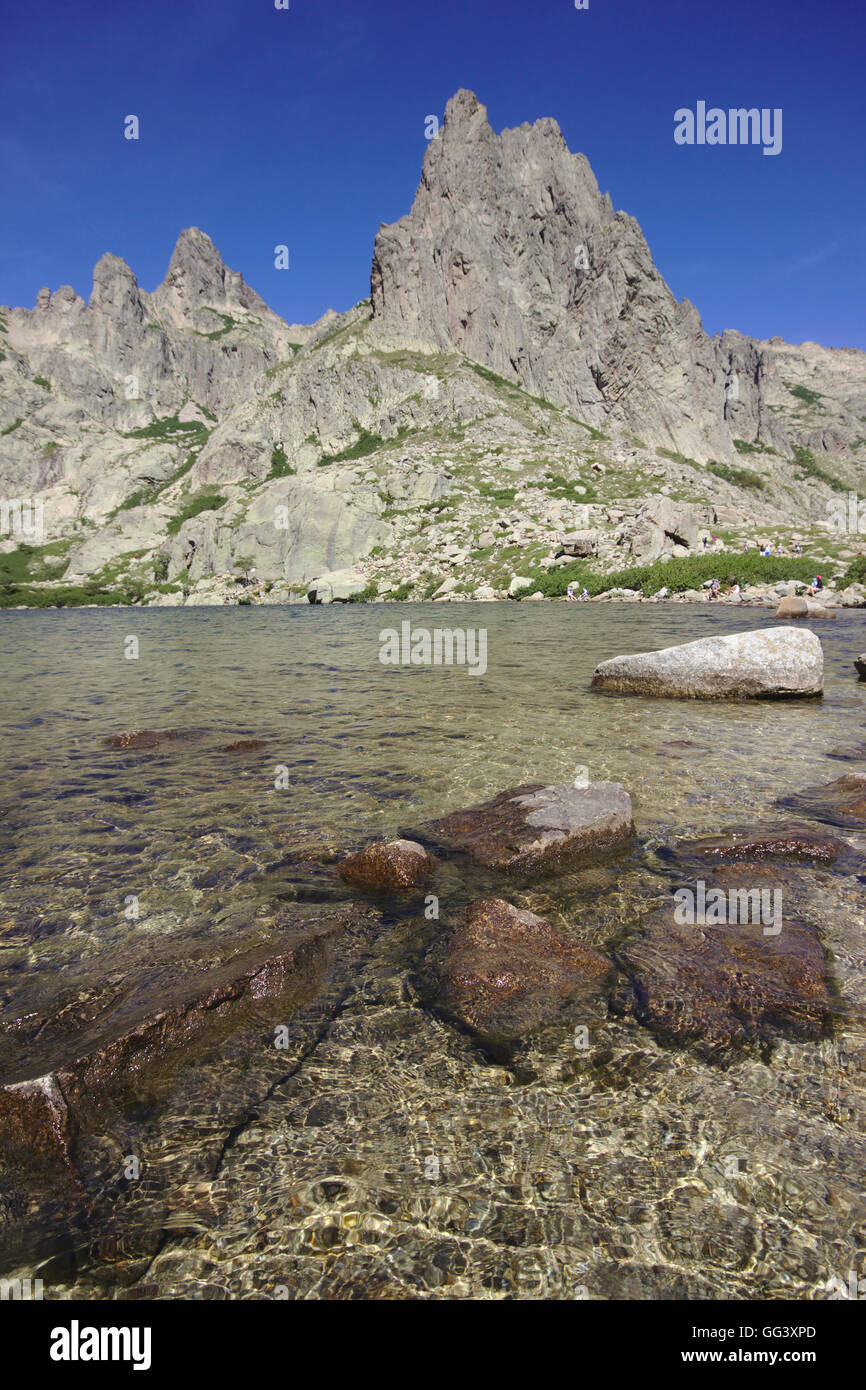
point(513, 256)
point(521, 370)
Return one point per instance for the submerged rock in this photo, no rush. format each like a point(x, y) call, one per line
point(860, 665)
point(535, 829)
point(773, 663)
point(792, 844)
point(37, 1129)
point(92, 1064)
point(842, 802)
point(391, 864)
point(146, 738)
point(726, 986)
point(502, 971)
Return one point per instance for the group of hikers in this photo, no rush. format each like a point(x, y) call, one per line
point(714, 588)
point(765, 548)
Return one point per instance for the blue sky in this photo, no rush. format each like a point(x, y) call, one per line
point(306, 127)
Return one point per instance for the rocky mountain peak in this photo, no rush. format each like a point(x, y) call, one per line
point(115, 288)
point(198, 277)
point(512, 256)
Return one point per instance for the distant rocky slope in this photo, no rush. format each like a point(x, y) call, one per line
point(521, 372)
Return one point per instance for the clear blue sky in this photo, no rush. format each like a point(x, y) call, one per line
point(306, 127)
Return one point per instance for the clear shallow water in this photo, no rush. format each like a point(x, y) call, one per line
point(607, 1173)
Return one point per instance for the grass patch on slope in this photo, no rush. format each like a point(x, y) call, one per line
point(365, 444)
point(34, 563)
point(683, 572)
point(805, 459)
point(739, 477)
point(208, 500)
point(167, 428)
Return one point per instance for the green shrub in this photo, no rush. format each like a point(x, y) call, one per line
point(366, 594)
point(740, 477)
point(164, 429)
point(856, 573)
point(144, 496)
point(204, 501)
point(804, 394)
point(366, 444)
point(678, 458)
point(69, 596)
point(41, 381)
point(743, 446)
point(683, 572)
point(14, 426)
point(280, 466)
point(805, 459)
point(228, 324)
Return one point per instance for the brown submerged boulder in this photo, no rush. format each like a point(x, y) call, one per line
point(502, 971)
point(791, 844)
point(91, 1067)
point(145, 738)
point(842, 802)
point(722, 987)
point(37, 1129)
point(388, 864)
point(535, 829)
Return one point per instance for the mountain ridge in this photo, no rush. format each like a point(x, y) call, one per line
point(513, 314)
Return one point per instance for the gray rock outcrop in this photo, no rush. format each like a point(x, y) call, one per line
point(772, 663)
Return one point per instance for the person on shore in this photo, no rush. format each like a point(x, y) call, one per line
point(816, 586)
point(715, 586)
point(569, 593)
point(584, 595)
point(736, 592)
